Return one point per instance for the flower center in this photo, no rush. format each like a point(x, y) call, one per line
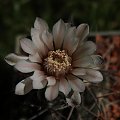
point(57, 63)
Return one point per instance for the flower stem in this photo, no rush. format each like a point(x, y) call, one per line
point(71, 111)
point(40, 113)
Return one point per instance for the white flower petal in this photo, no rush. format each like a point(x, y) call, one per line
point(82, 31)
point(58, 33)
point(76, 83)
point(12, 58)
point(76, 97)
point(35, 37)
point(52, 92)
point(85, 49)
point(35, 58)
point(39, 80)
point(38, 84)
point(26, 67)
point(40, 24)
point(28, 46)
point(93, 76)
point(64, 86)
point(83, 62)
point(35, 34)
point(48, 39)
point(70, 41)
point(79, 71)
point(23, 87)
point(51, 80)
point(97, 59)
point(38, 75)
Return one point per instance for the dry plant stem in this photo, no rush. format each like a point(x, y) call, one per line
point(112, 91)
point(95, 99)
point(104, 110)
point(107, 53)
point(58, 113)
point(89, 111)
point(40, 113)
point(55, 117)
point(92, 113)
point(71, 111)
point(63, 107)
point(105, 95)
point(108, 50)
point(109, 71)
point(92, 106)
point(79, 115)
point(98, 86)
point(107, 64)
point(114, 102)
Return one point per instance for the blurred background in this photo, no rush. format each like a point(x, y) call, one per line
point(17, 18)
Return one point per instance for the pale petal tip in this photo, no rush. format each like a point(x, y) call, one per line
point(60, 20)
point(93, 76)
point(38, 19)
point(100, 77)
point(19, 89)
point(82, 31)
point(23, 87)
point(84, 26)
point(52, 92)
point(40, 24)
point(8, 61)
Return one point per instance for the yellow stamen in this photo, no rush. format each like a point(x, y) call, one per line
point(57, 62)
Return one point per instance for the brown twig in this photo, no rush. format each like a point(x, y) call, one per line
point(101, 87)
point(89, 111)
point(63, 107)
point(95, 99)
point(105, 95)
point(52, 110)
point(40, 113)
point(108, 50)
point(71, 111)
